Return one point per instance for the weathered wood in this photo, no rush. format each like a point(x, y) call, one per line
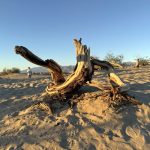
point(114, 79)
point(54, 68)
point(142, 62)
point(103, 64)
point(82, 73)
point(116, 65)
point(137, 63)
point(56, 71)
point(118, 100)
point(80, 76)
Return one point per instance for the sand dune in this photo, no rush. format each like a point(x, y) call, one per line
point(89, 125)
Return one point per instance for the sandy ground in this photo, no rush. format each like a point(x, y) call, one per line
point(89, 125)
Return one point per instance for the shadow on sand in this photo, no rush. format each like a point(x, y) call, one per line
point(141, 92)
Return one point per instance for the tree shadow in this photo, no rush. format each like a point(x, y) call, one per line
point(88, 89)
point(141, 91)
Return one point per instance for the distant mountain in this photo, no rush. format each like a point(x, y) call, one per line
point(66, 69)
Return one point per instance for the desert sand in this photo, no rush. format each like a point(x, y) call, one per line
point(89, 125)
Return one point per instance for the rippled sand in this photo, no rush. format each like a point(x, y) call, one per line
point(89, 125)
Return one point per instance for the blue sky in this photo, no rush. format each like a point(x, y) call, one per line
point(48, 27)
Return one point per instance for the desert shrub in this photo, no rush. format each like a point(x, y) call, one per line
point(8, 71)
point(128, 64)
point(143, 61)
point(110, 57)
point(4, 70)
point(15, 70)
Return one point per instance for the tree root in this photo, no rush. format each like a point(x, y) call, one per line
point(117, 99)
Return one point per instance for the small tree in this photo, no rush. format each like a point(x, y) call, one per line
point(4, 70)
point(15, 70)
point(114, 59)
point(142, 61)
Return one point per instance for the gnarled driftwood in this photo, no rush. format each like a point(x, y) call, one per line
point(54, 69)
point(82, 73)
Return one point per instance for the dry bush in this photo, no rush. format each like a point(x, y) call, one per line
point(110, 57)
point(8, 71)
point(143, 61)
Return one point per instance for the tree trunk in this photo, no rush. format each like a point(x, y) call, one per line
point(81, 74)
point(83, 71)
point(54, 69)
point(138, 63)
point(115, 81)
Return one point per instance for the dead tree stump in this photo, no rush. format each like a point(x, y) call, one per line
point(80, 76)
point(53, 67)
point(60, 88)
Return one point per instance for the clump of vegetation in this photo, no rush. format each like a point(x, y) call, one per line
point(8, 71)
point(115, 60)
point(110, 57)
point(142, 61)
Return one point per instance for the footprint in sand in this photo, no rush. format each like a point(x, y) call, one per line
point(137, 140)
